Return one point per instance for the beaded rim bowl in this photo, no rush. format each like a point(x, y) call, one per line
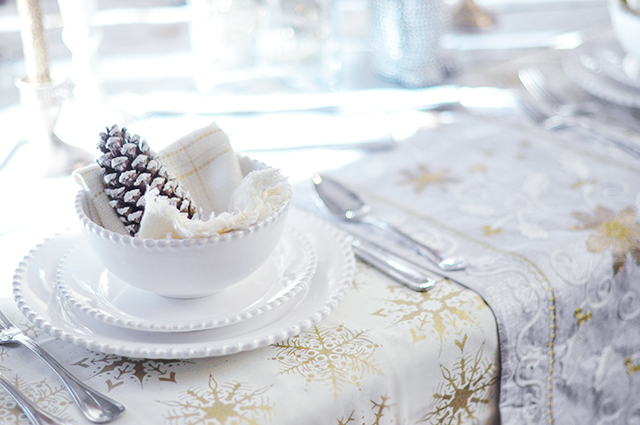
point(184, 268)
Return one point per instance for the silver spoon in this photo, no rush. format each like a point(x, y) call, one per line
point(348, 206)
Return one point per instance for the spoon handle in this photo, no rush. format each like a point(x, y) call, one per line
point(442, 260)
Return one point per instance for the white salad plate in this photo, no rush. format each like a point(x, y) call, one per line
point(89, 289)
point(592, 66)
point(36, 293)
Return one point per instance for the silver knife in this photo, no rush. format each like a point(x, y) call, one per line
point(392, 266)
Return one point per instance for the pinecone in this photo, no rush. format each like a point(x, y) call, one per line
point(130, 169)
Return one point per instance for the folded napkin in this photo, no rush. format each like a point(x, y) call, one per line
point(204, 162)
point(99, 211)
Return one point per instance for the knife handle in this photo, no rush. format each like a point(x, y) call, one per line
point(392, 266)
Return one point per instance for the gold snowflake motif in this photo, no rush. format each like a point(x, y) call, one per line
point(478, 169)
point(618, 232)
point(442, 308)
point(122, 368)
point(4, 353)
point(423, 177)
point(631, 368)
point(490, 230)
point(232, 403)
point(52, 399)
point(378, 412)
point(582, 316)
point(29, 329)
point(583, 182)
point(337, 356)
point(467, 389)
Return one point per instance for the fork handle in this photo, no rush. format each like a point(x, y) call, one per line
point(94, 406)
point(36, 415)
point(606, 133)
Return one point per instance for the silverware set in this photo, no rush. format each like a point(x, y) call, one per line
point(552, 112)
point(347, 205)
point(95, 407)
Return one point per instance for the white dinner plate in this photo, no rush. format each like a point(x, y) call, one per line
point(36, 294)
point(614, 61)
point(91, 290)
point(585, 66)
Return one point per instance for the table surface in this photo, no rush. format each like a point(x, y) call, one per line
point(539, 329)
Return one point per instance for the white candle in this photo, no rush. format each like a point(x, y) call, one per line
point(33, 42)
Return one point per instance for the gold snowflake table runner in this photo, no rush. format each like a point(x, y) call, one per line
point(552, 230)
point(387, 355)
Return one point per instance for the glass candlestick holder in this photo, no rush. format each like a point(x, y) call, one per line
point(41, 103)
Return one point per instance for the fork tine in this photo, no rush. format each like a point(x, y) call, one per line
point(555, 101)
point(539, 84)
point(540, 117)
point(532, 112)
point(585, 126)
point(530, 83)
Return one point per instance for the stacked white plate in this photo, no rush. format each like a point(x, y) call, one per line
point(602, 68)
point(64, 290)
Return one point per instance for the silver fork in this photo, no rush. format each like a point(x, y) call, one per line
point(36, 415)
point(582, 124)
point(94, 406)
point(538, 86)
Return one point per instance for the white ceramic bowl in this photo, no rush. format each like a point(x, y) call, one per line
point(183, 268)
point(626, 25)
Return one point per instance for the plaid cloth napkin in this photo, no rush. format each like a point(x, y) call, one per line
point(208, 168)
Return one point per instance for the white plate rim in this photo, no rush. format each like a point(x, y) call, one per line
point(67, 292)
point(307, 312)
point(599, 84)
point(609, 42)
